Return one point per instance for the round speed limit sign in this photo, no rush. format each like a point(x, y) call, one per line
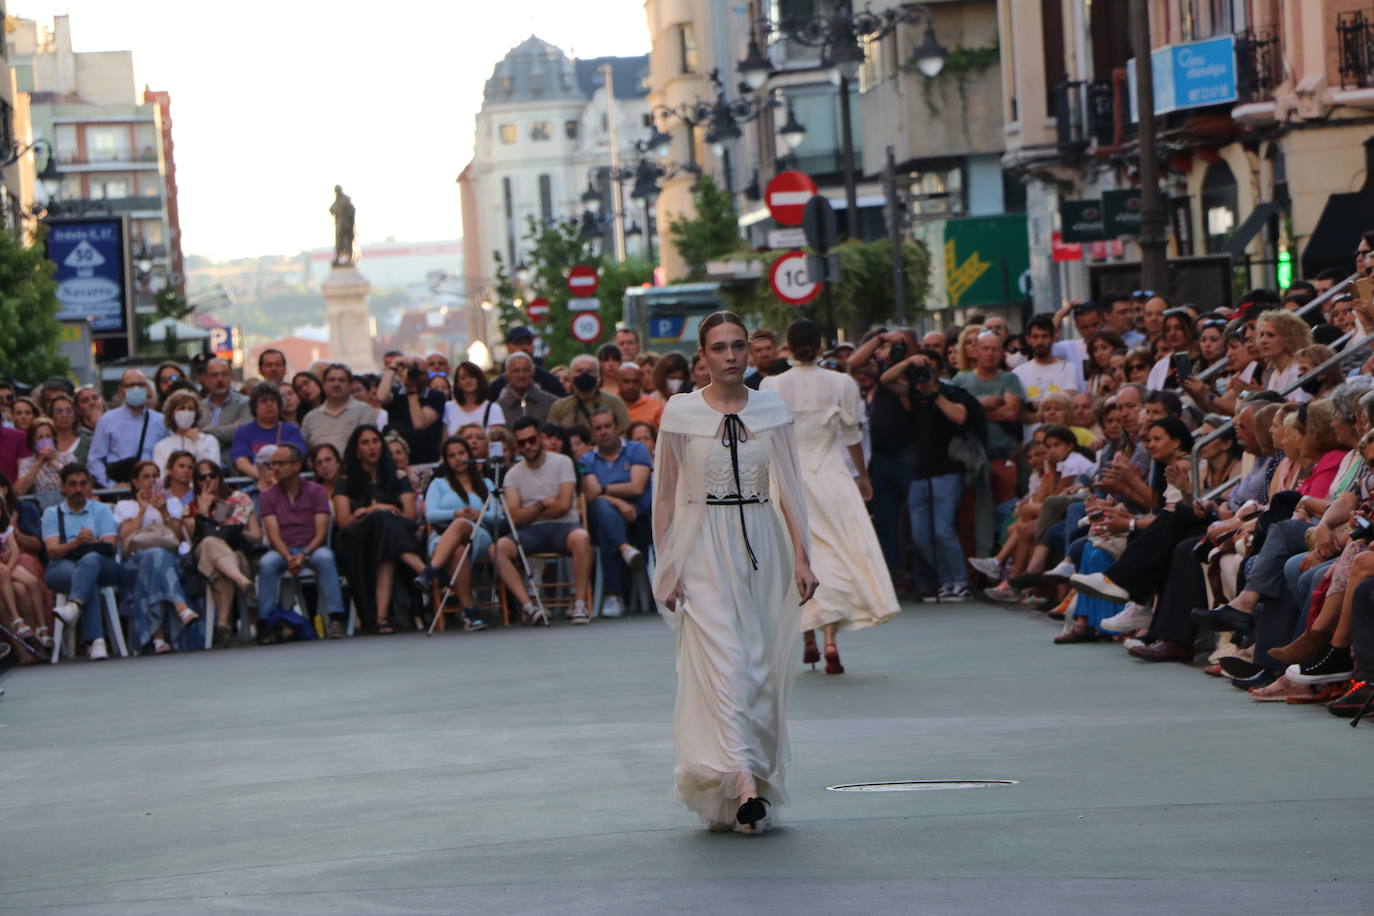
point(585, 327)
point(791, 281)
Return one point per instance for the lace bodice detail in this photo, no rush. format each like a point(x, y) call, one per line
point(753, 470)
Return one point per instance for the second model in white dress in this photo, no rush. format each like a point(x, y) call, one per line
point(726, 488)
point(856, 589)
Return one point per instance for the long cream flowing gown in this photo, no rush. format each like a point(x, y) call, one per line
point(738, 626)
point(856, 589)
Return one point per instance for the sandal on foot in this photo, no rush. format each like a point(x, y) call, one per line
point(44, 637)
point(384, 628)
point(161, 647)
point(21, 628)
point(187, 616)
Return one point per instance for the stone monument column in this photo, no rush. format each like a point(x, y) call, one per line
point(350, 326)
point(345, 294)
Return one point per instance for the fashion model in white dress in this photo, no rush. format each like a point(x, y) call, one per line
point(726, 490)
point(856, 589)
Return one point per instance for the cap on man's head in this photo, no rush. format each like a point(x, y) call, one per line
point(519, 333)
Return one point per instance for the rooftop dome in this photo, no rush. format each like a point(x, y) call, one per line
point(534, 70)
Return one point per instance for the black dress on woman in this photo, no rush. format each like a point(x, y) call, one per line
point(375, 537)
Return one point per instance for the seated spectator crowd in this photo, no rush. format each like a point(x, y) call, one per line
point(183, 514)
point(1181, 479)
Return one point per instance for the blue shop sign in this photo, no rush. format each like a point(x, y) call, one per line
point(89, 257)
point(1191, 75)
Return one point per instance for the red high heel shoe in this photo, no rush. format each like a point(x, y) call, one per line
point(810, 654)
point(832, 659)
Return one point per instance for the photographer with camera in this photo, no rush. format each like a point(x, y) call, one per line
point(413, 408)
point(942, 417)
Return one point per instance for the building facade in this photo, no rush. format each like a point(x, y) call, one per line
point(1262, 124)
point(546, 127)
point(945, 132)
point(113, 144)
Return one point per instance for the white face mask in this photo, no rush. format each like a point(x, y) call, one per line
point(674, 385)
point(184, 419)
point(1015, 359)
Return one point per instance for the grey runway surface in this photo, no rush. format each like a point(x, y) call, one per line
point(529, 772)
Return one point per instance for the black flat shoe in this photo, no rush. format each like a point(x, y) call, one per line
point(1223, 618)
point(1239, 667)
point(1263, 678)
point(752, 811)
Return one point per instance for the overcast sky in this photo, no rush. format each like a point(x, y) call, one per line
point(273, 103)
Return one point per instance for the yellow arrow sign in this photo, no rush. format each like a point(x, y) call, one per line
point(961, 277)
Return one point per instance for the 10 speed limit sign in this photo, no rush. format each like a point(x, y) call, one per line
point(791, 281)
point(585, 326)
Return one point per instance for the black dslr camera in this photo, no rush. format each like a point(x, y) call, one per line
point(916, 375)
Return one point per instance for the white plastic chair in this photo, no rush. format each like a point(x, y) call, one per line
point(114, 626)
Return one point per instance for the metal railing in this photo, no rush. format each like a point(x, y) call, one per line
point(1333, 292)
point(1195, 471)
point(1258, 65)
point(1355, 48)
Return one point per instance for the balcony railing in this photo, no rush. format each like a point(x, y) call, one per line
point(1259, 65)
point(1355, 39)
point(1084, 113)
point(148, 154)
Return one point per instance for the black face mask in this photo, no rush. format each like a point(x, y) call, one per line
point(584, 381)
point(1312, 386)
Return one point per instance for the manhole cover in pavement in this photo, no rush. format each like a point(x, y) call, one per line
point(921, 785)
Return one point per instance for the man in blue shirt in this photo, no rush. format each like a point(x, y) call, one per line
point(118, 432)
point(619, 499)
point(72, 532)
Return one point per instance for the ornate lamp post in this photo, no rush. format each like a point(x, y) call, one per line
point(839, 34)
point(722, 118)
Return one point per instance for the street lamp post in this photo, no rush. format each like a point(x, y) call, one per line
point(1154, 261)
point(839, 34)
point(722, 117)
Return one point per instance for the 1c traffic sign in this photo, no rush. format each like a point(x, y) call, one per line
point(585, 327)
point(791, 280)
point(582, 280)
point(786, 197)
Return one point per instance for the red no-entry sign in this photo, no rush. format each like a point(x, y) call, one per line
point(538, 310)
point(786, 196)
point(582, 280)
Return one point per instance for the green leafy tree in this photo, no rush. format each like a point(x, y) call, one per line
point(711, 234)
point(556, 249)
point(862, 297)
point(29, 328)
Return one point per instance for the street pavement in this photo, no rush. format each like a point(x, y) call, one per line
point(528, 771)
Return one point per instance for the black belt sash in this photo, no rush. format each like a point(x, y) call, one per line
point(733, 427)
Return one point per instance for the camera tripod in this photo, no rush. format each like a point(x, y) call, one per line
point(496, 498)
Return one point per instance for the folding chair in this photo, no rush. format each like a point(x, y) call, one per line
point(114, 626)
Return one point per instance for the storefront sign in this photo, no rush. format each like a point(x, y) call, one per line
point(1190, 75)
point(986, 260)
point(1181, 216)
point(1081, 220)
point(1121, 212)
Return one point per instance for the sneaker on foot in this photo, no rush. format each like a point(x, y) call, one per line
point(580, 614)
point(424, 577)
point(632, 556)
point(1060, 573)
point(1132, 643)
point(1098, 585)
point(954, 594)
point(988, 566)
point(1004, 593)
point(471, 622)
point(1348, 706)
point(1134, 617)
point(611, 607)
point(69, 612)
point(96, 652)
point(1333, 665)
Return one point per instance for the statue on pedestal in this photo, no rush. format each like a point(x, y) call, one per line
point(343, 213)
